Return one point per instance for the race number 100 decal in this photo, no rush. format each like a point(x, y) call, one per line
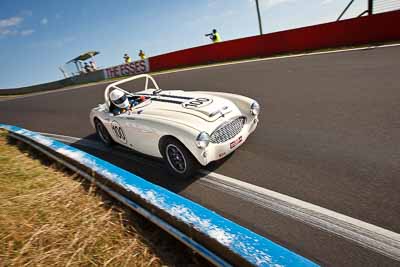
point(118, 131)
point(197, 102)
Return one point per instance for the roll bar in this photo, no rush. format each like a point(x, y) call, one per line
point(114, 85)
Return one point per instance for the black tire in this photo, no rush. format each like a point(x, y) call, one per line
point(181, 163)
point(102, 133)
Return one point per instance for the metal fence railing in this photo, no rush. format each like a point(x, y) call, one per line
point(374, 7)
point(380, 6)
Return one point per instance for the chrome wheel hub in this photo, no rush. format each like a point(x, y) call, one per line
point(175, 158)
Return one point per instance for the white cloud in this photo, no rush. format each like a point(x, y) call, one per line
point(44, 21)
point(10, 26)
point(7, 25)
point(27, 32)
point(10, 22)
point(5, 32)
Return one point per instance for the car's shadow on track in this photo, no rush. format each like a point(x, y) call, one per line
point(213, 166)
point(149, 168)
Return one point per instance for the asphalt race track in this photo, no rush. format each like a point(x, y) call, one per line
point(329, 134)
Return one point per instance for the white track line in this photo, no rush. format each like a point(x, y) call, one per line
point(367, 235)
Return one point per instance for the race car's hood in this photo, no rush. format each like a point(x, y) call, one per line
point(176, 103)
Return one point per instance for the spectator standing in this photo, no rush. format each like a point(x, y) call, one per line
point(93, 65)
point(214, 36)
point(142, 55)
point(87, 67)
point(127, 58)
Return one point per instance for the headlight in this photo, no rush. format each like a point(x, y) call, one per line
point(202, 140)
point(255, 108)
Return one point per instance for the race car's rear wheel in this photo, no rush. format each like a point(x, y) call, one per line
point(180, 161)
point(103, 133)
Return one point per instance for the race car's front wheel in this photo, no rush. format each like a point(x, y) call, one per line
point(180, 161)
point(103, 133)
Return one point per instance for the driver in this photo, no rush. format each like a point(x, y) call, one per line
point(122, 102)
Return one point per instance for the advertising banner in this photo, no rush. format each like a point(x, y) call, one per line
point(129, 69)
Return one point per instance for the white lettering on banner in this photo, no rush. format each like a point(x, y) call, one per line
point(136, 67)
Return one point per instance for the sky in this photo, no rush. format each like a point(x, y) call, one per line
point(36, 37)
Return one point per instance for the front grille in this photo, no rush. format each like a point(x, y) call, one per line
point(227, 131)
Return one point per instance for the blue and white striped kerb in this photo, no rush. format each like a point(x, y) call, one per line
point(256, 249)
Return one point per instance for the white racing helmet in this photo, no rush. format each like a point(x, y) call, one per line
point(119, 99)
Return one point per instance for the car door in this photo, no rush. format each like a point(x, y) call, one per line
point(141, 135)
point(127, 131)
point(118, 130)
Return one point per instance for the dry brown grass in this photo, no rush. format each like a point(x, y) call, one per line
point(49, 219)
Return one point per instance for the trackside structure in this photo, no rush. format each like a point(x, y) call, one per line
point(221, 241)
point(357, 31)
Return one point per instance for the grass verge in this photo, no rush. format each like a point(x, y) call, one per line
point(50, 216)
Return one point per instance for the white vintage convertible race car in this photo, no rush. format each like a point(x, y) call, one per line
point(186, 129)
